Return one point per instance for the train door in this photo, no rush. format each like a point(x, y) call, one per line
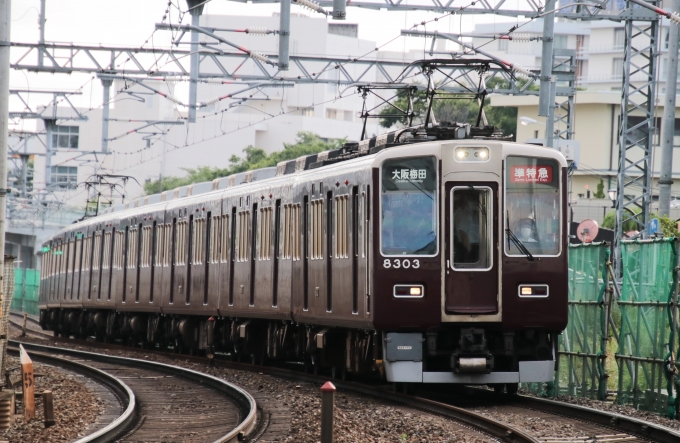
point(471, 248)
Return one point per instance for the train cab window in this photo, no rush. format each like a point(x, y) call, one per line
point(532, 202)
point(409, 207)
point(470, 233)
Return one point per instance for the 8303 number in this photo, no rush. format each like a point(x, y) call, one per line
point(398, 263)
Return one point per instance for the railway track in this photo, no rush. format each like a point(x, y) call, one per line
point(588, 424)
point(125, 403)
point(170, 403)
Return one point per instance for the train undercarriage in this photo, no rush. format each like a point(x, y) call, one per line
point(454, 354)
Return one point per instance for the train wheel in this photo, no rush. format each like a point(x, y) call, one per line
point(511, 388)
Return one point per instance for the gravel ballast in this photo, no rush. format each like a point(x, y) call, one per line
point(75, 407)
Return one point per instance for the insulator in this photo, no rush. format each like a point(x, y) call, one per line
point(257, 31)
point(173, 80)
point(174, 99)
point(210, 102)
point(259, 57)
point(675, 17)
point(521, 37)
point(311, 4)
point(522, 71)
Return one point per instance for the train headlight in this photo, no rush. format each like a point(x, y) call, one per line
point(539, 291)
point(471, 154)
point(409, 291)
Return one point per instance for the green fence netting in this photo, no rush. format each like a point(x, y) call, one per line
point(583, 343)
point(26, 287)
point(645, 323)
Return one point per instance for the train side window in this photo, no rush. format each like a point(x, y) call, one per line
point(160, 243)
point(296, 233)
point(286, 230)
point(84, 266)
point(145, 259)
point(96, 251)
point(341, 226)
point(243, 230)
point(317, 229)
point(181, 243)
point(132, 248)
point(69, 258)
point(225, 226)
point(106, 259)
point(197, 241)
point(167, 237)
point(265, 234)
point(215, 239)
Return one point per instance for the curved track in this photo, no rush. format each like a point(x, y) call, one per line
point(456, 406)
point(172, 403)
point(122, 392)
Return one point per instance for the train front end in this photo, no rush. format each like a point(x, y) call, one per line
point(471, 262)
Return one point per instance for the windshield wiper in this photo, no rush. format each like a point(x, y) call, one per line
point(518, 243)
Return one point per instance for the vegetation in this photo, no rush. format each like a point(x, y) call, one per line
point(667, 224)
point(452, 110)
point(600, 190)
point(255, 158)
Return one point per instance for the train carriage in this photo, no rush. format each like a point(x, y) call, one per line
point(439, 258)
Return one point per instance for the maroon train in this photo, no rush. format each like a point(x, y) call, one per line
point(434, 256)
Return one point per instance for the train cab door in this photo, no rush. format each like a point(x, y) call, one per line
point(471, 248)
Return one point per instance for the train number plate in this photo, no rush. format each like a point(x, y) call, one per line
point(401, 263)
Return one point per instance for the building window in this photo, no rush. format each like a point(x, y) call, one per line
point(305, 112)
point(65, 137)
point(502, 45)
point(664, 70)
point(619, 37)
point(332, 114)
point(560, 41)
point(65, 176)
point(617, 68)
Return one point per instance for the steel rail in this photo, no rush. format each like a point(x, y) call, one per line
point(241, 398)
point(122, 391)
point(611, 420)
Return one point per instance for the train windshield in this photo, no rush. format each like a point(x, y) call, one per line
point(409, 206)
point(532, 206)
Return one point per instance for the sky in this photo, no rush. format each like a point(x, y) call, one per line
point(131, 23)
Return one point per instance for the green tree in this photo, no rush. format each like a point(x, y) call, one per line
point(600, 190)
point(667, 224)
point(255, 158)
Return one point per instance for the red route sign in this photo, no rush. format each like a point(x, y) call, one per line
point(531, 174)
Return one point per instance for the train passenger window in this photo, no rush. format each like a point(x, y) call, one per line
point(532, 202)
point(341, 231)
point(316, 244)
point(106, 259)
point(409, 207)
point(160, 244)
point(215, 239)
point(224, 242)
point(470, 234)
point(181, 243)
point(96, 251)
point(243, 233)
point(87, 253)
point(167, 238)
point(70, 256)
point(297, 245)
point(145, 253)
point(287, 234)
point(265, 234)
